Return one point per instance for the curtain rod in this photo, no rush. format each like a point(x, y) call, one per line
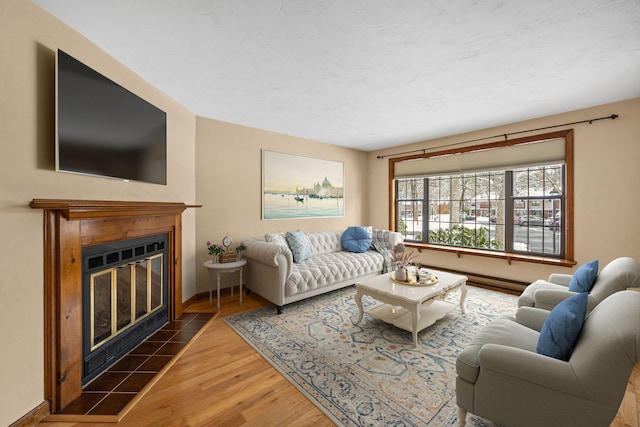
point(504, 135)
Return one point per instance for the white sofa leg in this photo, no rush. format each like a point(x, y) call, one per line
point(462, 416)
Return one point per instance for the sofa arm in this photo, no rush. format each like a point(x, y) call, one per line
point(395, 238)
point(269, 254)
point(268, 267)
point(560, 279)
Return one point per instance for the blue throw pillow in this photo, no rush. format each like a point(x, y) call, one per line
point(299, 244)
point(356, 239)
point(584, 277)
point(560, 330)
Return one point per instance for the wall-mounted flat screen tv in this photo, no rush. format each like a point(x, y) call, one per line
point(104, 129)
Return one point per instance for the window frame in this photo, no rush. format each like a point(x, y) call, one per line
point(568, 240)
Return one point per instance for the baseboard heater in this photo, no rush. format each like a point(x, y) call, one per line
point(489, 281)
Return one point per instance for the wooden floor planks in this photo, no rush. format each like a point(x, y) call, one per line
point(629, 413)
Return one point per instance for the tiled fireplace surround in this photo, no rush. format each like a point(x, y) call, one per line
point(69, 225)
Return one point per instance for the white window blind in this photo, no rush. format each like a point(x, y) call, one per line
point(537, 153)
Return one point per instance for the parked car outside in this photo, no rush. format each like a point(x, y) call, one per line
point(533, 220)
point(553, 223)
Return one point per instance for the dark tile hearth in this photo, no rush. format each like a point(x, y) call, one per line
point(111, 391)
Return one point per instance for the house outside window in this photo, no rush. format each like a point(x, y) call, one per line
point(519, 209)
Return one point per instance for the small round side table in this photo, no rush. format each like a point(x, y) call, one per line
point(226, 267)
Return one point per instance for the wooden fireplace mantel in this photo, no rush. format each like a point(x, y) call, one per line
point(69, 225)
point(84, 209)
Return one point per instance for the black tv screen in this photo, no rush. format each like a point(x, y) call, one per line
point(105, 130)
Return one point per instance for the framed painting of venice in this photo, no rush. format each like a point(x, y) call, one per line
point(301, 187)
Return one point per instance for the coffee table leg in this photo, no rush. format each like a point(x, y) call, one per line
point(415, 319)
point(359, 303)
point(463, 296)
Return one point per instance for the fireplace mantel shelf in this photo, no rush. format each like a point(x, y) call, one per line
point(84, 209)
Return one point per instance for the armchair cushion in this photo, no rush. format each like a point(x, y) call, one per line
point(584, 277)
point(356, 239)
point(560, 330)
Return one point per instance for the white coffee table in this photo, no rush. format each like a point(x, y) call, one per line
point(410, 307)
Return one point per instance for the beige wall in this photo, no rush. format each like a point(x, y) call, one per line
point(229, 185)
point(607, 198)
point(29, 38)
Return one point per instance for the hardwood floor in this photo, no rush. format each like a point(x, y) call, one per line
point(221, 381)
point(629, 413)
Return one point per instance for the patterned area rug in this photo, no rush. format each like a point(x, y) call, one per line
point(369, 374)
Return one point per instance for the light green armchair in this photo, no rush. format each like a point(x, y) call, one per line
point(619, 274)
point(502, 378)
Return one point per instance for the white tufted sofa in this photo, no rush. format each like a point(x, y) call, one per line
point(272, 274)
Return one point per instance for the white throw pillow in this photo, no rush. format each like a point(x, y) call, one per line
point(276, 238)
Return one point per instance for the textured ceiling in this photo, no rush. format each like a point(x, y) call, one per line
point(371, 74)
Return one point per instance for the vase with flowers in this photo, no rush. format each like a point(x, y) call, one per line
point(400, 260)
point(215, 250)
point(240, 250)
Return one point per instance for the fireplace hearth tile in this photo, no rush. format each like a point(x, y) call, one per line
point(128, 363)
point(184, 336)
point(194, 325)
point(135, 382)
point(170, 348)
point(162, 335)
point(147, 348)
point(188, 316)
point(107, 381)
point(155, 364)
point(175, 325)
point(112, 404)
point(84, 403)
point(203, 317)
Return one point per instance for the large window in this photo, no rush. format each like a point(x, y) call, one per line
point(471, 210)
point(519, 209)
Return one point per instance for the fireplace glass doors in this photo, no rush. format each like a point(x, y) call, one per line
point(124, 298)
point(123, 295)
